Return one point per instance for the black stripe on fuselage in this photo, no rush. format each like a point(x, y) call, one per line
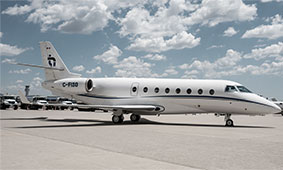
point(178, 96)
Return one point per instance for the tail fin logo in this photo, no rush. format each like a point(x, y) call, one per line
point(51, 61)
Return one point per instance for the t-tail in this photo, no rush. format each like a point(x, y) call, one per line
point(53, 65)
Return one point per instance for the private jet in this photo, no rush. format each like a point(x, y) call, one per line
point(150, 96)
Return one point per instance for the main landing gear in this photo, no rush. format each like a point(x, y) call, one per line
point(229, 122)
point(120, 118)
point(135, 118)
point(117, 119)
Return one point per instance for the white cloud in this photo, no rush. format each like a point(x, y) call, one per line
point(14, 87)
point(166, 21)
point(179, 41)
point(212, 69)
point(8, 50)
point(79, 68)
point(156, 57)
point(82, 17)
point(110, 56)
point(95, 70)
point(266, 68)
point(153, 26)
point(134, 67)
point(264, 1)
point(17, 10)
point(274, 50)
point(184, 66)
point(36, 82)
point(259, 45)
point(213, 12)
point(150, 30)
point(190, 74)
point(88, 21)
point(230, 64)
point(7, 60)
point(21, 71)
point(215, 46)
point(171, 71)
point(230, 32)
point(19, 81)
point(230, 59)
point(273, 31)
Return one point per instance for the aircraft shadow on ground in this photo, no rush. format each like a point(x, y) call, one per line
point(95, 122)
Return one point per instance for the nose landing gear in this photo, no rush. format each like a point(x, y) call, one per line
point(228, 120)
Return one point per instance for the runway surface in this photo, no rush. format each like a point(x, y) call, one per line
point(87, 140)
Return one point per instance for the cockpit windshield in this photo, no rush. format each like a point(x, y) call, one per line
point(230, 89)
point(243, 89)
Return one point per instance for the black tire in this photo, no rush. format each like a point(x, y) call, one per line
point(15, 107)
point(135, 118)
point(121, 118)
point(229, 123)
point(117, 119)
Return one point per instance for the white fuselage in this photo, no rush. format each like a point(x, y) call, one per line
point(130, 91)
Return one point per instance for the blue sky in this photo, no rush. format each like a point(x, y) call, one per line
point(216, 39)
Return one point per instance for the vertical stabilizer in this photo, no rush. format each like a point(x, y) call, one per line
point(51, 58)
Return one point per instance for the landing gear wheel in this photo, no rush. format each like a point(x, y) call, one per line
point(117, 119)
point(229, 123)
point(135, 118)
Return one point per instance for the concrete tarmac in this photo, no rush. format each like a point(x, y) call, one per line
point(87, 140)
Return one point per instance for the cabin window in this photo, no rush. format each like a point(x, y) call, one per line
point(230, 89)
point(134, 89)
point(211, 92)
point(178, 90)
point(167, 90)
point(156, 90)
point(145, 89)
point(243, 89)
point(189, 91)
point(200, 91)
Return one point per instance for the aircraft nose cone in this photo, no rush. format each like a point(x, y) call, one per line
point(275, 109)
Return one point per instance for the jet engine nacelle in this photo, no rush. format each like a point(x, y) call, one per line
point(74, 85)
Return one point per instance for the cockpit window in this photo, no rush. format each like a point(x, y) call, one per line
point(243, 89)
point(230, 89)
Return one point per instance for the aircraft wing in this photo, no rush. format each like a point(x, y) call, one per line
point(141, 108)
point(124, 107)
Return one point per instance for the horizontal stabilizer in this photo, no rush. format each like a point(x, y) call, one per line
point(38, 66)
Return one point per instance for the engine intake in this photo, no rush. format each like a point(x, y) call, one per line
point(89, 85)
